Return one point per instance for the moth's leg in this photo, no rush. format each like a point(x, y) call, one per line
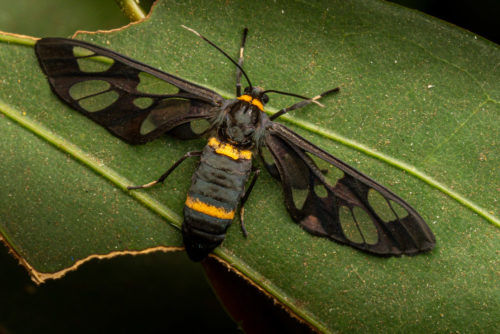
point(256, 172)
point(303, 103)
point(240, 62)
point(167, 173)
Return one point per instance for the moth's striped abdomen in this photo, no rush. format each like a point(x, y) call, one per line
point(216, 189)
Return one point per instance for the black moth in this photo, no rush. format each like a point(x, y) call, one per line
point(339, 203)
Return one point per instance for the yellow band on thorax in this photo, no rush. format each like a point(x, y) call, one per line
point(246, 98)
point(251, 100)
point(229, 150)
point(209, 210)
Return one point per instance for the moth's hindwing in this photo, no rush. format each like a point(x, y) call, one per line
point(134, 101)
point(341, 203)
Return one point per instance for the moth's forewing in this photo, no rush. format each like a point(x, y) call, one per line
point(341, 203)
point(134, 101)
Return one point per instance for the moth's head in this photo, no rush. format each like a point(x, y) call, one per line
point(257, 93)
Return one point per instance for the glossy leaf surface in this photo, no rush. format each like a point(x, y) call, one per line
point(414, 90)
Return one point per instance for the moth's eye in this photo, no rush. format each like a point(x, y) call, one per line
point(247, 90)
point(264, 99)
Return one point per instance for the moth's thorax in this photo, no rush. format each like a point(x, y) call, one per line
point(242, 122)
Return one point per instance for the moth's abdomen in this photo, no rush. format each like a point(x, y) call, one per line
point(216, 189)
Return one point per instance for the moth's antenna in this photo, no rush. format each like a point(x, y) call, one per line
point(300, 104)
point(313, 100)
point(221, 51)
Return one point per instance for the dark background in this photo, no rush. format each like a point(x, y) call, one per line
point(479, 16)
point(153, 293)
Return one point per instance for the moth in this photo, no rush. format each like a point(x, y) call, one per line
point(324, 195)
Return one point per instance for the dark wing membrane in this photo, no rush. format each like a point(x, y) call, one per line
point(134, 101)
point(341, 203)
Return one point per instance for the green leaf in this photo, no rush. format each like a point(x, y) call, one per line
point(416, 94)
point(59, 17)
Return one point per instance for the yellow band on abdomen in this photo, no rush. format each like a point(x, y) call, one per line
point(209, 210)
point(229, 150)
